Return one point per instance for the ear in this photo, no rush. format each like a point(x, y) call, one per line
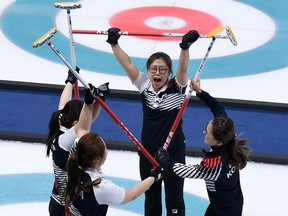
point(96, 163)
point(218, 143)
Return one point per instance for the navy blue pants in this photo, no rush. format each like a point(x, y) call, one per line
point(55, 209)
point(211, 211)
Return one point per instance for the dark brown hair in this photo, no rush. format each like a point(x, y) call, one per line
point(89, 147)
point(160, 55)
point(65, 117)
point(223, 130)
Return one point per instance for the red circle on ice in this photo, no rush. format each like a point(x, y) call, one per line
point(158, 20)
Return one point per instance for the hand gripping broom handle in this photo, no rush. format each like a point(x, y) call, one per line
point(141, 34)
point(213, 33)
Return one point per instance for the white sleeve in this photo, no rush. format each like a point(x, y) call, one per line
point(182, 88)
point(67, 139)
point(109, 193)
point(141, 81)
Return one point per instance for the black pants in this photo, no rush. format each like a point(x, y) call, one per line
point(173, 187)
point(55, 209)
point(210, 211)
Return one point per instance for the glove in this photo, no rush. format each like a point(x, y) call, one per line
point(113, 36)
point(103, 90)
point(71, 78)
point(162, 157)
point(90, 94)
point(188, 39)
point(157, 173)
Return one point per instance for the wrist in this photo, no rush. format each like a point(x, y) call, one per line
point(69, 83)
point(153, 178)
point(184, 46)
point(113, 45)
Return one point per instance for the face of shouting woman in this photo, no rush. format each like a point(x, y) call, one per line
point(158, 74)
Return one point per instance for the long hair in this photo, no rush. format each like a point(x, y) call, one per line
point(65, 117)
point(160, 55)
point(224, 131)
point(89, 147)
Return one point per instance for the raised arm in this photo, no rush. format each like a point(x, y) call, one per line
point(122, 57)
point(91, 108)
point(86, 116)
point(67, 92)
point(182, 71)
point(102, 91)
point(216, 108)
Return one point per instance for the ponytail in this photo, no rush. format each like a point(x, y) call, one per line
point(89, 147)
point(224, 131)
point(65, 117)
point(74, 178)
point(239, 152)
point(53, 130)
